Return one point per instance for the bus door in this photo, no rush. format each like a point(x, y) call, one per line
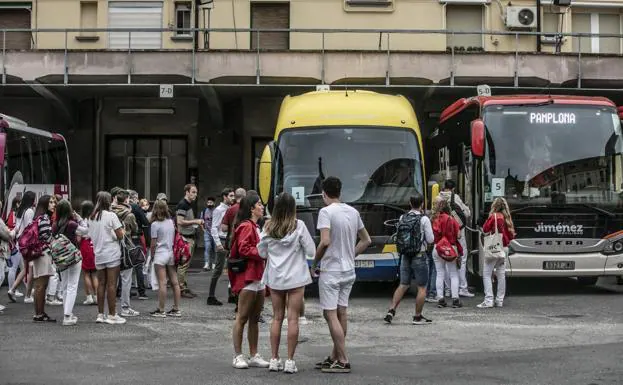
point(467, 188)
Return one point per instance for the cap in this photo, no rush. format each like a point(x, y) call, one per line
point(162, 197)
point(115, 190)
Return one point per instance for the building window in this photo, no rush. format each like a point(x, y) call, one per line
point(552, 25)
point(16, 15)
point(270, 16)
point(183, 13)
point(88, 18)
point(464, 18)
point(601, 23)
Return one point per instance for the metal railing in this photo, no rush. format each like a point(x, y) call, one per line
point(325, 44)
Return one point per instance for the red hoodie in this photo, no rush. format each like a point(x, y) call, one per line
point(448, 226)
point(244, 245)
point(488, 228)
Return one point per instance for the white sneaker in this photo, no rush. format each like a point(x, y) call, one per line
point(275, 365)
point(17, 293)
point(303, 321)
point(54, 302)
point(129, 312)
point(29, 300)
point(484, 305)
point(69, 321)
point(115, 320)
point(2, 308)
point(499, 303)
point(100, 318)
point(206, 266)
point(466, 293)
point(258, 362)
point(240, 362)
point(290, 367)
point(89, 301)
point(431, 300)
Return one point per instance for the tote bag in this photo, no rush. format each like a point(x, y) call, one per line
point(493, 246)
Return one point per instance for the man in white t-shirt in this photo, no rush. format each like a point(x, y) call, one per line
point(339, 225)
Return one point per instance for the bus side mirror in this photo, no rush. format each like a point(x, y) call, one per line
point(478, 138)
point(265, 175)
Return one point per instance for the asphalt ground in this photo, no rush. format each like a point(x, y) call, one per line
point(551, 331)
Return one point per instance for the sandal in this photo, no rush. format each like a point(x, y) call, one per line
point(43, 318)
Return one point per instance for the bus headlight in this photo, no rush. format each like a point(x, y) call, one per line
point(614, 246)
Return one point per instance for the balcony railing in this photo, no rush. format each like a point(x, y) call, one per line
point(388, 41)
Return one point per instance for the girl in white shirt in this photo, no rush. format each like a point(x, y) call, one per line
point(105, 231)
point(285, 243)
point(162, 238)
point(24, 216)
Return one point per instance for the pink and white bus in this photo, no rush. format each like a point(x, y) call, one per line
point(31, 159)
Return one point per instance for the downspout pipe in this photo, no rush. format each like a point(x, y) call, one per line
point(196, 14)
point(538, 25)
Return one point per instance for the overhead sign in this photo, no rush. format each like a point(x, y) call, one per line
point(552, 118)
point(483, 90)
point(166, 90)
point(323, 87)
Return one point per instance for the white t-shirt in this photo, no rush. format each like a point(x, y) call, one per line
point(24, 221)
point(102, 233)
point(343, 222)
point(164, 232)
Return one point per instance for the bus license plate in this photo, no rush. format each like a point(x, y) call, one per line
point(558, 265)
point(364, 264)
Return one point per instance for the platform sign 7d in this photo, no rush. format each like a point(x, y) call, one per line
point(166, 90)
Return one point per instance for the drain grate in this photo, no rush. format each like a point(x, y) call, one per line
point(567, 316)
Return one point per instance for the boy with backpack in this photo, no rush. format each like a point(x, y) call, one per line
point(413, 236)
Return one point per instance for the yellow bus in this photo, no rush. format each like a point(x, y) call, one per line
point(371, 141)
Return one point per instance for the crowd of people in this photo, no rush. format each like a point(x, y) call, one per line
point(264, 256)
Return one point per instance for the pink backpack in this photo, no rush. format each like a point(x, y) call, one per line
point(30, 246)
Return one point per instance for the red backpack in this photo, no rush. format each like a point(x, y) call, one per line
point(181, 249)
point(446, 250)
point(30, 246)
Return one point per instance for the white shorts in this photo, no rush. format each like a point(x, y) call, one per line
point(334, 288)
point(255, 286)
point(163, 259)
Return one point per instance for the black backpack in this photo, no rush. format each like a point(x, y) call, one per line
point(457, 213)
point(409, 234)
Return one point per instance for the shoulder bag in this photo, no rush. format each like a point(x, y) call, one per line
point(493, 245)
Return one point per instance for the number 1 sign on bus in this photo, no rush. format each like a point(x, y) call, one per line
point(33, 159)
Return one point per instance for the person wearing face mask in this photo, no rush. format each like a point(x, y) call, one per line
point(209, 252)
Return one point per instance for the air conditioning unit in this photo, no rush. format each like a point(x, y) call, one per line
point(520, 17)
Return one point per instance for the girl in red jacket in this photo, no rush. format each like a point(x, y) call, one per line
point(247, 283)
point(499, 217)
point(447, 232)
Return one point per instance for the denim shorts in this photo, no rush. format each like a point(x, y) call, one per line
point(415, 268)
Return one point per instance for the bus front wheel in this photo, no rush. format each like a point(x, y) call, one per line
point(587, 281)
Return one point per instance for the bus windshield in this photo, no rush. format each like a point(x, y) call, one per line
point(375, 164)
point(553, 154)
